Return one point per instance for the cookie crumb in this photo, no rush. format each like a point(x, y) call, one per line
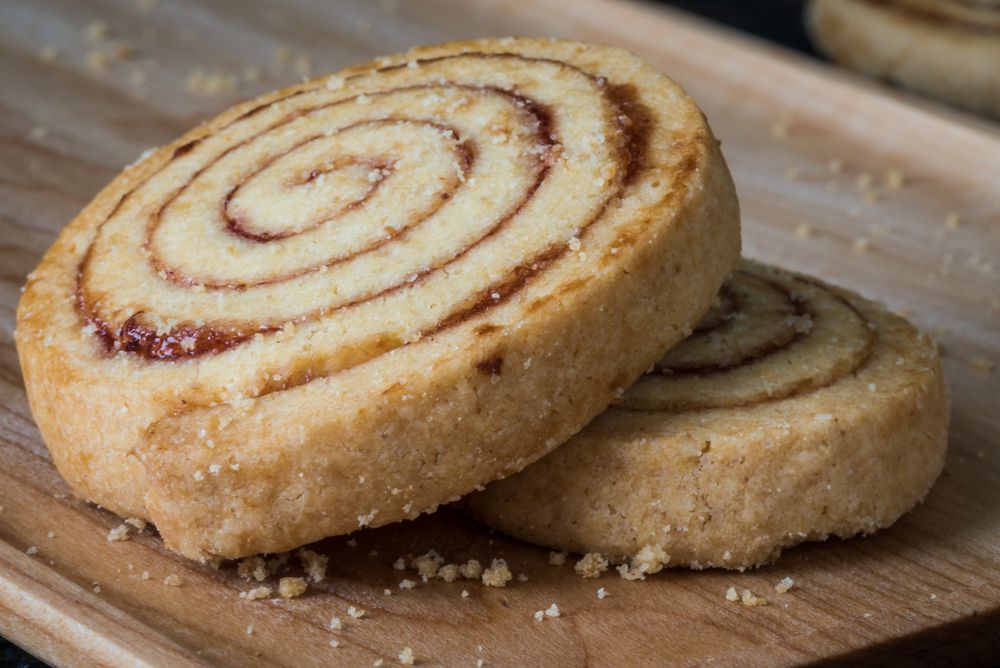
point(292, 587)
point(647, 561)
point(591, 565)
point(784, 585)
point(406, 656)
point(356, 613)
point(557, 558)
point(601, 593)
point(465, 593)
point(981, 364)
point(31, 551)
point(407, 584)
point(399, 564)
point(449, 572)
point(334, 642)
point(552, 611)
point(119, 533)
point(172, 580)
point(253, 567)
point(96, 31)
point(893, 179)
point(748, 598)
point(732, 594)
point(137, 523)
point(256, 594)
point(314, 564)
point(250, 629)
point(497, 575)
point(539, 615)
point(471, 570)
point(335, 624)
point(427, 565)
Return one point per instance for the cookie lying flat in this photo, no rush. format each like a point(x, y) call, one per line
point(345, 302)
point(946, 48)
point(795, 412)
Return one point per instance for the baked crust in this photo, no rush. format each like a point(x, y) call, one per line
point(204, 348)
point(803, 412)
point(949, 49)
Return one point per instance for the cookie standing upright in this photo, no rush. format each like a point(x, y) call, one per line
point(946, 48)
point(797, 411)
point(348, 301)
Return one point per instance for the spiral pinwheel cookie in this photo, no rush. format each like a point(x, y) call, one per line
point(796, 411)
point(348, 301)
point(946, 48)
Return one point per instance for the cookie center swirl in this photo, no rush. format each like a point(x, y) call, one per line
point(397, 193)
point(778, 337)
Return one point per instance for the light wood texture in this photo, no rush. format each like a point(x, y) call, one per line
point(930, 585)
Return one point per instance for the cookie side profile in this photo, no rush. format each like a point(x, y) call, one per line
point(348, 301)
point(797, 411)
point(949, 49)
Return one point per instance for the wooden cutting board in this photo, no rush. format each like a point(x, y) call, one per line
point(803, 142)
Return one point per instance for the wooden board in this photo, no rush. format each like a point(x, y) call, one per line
point(928, 588)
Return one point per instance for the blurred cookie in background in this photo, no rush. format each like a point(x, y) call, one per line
point(949, 49)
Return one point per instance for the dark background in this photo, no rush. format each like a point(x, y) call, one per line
point(779, 21)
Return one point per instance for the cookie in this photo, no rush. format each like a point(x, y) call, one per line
point(949, 49)
point(795, 412)
point(345, 302)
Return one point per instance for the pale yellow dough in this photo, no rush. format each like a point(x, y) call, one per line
point(348, 301)
point(798, 411)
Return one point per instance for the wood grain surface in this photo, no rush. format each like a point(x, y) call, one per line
point(816, 156)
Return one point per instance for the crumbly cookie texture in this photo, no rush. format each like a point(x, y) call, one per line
point(796, 411)
point(945, 48)
point(407, 281)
